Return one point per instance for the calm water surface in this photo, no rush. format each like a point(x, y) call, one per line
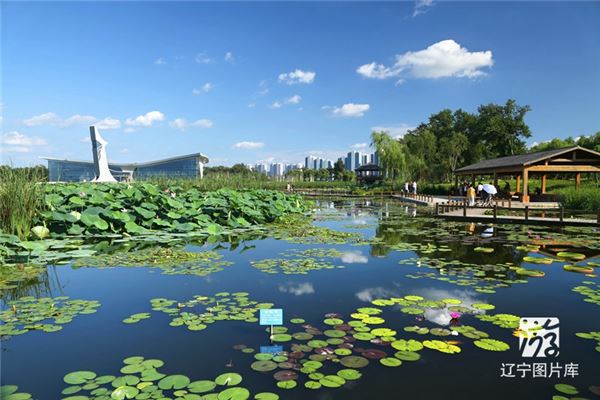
point(37, 361)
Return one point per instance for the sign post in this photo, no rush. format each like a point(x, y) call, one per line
point(271, 316)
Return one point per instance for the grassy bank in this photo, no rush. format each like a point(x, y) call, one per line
point(21, 200)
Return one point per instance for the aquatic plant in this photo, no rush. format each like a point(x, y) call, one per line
point(592, 336)
point(223, 306)
point(9, 392)
point(143, 380)
point(170, 260)
point(590, 290)
point(47, 314)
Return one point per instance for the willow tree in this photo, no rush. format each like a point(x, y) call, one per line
point(391, 154)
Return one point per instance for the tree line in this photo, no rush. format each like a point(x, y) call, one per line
point(452, 139)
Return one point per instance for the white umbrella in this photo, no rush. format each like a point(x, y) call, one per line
point(491, 189)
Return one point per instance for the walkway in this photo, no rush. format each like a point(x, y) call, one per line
point(521, 214)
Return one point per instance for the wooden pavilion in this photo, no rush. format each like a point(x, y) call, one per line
point(368, 173)
point(570, 160)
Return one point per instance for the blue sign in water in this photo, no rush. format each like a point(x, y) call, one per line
point(271, 316)
point(271, 349)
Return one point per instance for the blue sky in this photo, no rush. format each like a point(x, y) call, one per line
point(275, 81)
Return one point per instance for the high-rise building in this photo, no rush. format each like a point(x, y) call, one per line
point(365, 159)
point(357, 160)
point(349, 162)
point(376, 158)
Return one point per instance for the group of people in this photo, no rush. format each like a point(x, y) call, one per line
point(410, 187)
point(484, 192)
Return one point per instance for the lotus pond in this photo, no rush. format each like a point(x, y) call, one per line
point(379, 300)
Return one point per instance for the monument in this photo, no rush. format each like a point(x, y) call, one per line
point(103, 173)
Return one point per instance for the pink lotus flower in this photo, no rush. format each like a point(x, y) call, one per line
point(455, 315)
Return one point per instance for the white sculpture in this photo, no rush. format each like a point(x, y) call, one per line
point(100, 158)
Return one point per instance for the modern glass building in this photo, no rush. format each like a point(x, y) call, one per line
point(188, 166)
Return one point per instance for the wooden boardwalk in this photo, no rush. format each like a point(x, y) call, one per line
point(523, 214)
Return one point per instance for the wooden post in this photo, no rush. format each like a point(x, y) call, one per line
point(495, 211)
point(518, 188)
point(577, 180)
point(526, 213)
point(562, 214)
point(465, 209)
point(437, 209)
point(495, 179)
point(543, 183)
point(525, 186)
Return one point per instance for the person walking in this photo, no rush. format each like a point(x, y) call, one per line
point(414, 186)
point(406, 187)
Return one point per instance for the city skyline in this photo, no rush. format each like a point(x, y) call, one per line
point(203, 86)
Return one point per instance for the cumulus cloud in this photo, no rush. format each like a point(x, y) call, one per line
point(421, 7)
point(182, 124)
point(160, 61)
point(354, 257)
point(440, 60)
point(370, 294)
point(202, 58)
point(297, 76)
point(52, 119)
point(108, 123)
point(358, 146)
point(297, 289)
point(350, 110)
point(229, 57)
point(395, 131)
point(146, 119)
point(207, 87)
point(249, 145)
point(295, 99)
point(17, 142)
point(48, 118)
point(275, 104)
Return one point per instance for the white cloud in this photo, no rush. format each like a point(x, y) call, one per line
point(129, 130)
point(160, 61)
point(440, 60)
point(358, 146)
point(251, 105)
point(370, 294)
point(78, 120)
point(297, 76)
point(297, 289)
point(350, 110)
point(249, 145)
point(53, 119)
point(295, 99)
point(207, 87)
point(354, 257)
point(376, 71)
point(182, 124)
point(145, 120)
point(108, 123)
point(395, 131)
point(49, 118)
point(16, 142)
point(421, 7)
point(202, 58)
point(275, 104)
point(15, 138)
point(229, 57)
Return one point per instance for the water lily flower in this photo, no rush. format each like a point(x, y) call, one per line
point(173, 194)
point(455, 315)
point(82, 194)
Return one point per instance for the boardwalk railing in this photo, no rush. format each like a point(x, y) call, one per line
point(526, 213)
point(420, 197)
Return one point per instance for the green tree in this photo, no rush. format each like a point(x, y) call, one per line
point(338, 170)
point(503, 128)
point(391, 154)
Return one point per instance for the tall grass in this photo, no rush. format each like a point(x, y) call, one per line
point(21, 199)
point(582, 199)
